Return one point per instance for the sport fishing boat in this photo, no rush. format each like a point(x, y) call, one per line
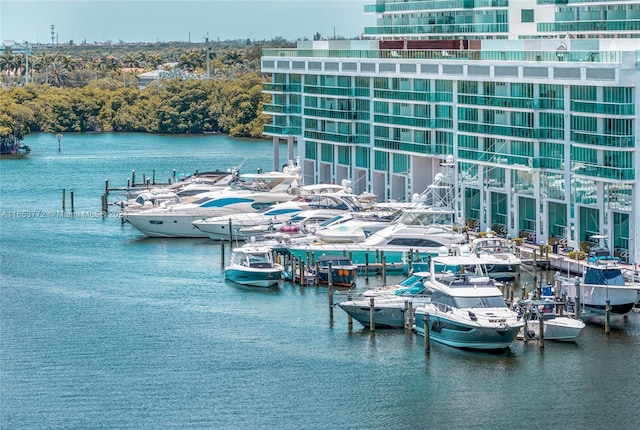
point(602, 283)
point(498, 255)
point(467, 310)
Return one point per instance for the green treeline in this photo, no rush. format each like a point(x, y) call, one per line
point(172, 106)
point(202, 88)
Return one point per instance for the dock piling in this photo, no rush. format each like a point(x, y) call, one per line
point(366, 266)
point(427, 334)
point(222, 253)
point(577, 303)
point(64, 198)
point(372, 311)
point(330, 290)
point(541, 318)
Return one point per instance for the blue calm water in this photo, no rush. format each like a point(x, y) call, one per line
point(103, 328)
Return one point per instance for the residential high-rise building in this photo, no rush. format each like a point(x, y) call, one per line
point(536, 101)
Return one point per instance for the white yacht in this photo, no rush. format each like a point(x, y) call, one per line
point(498, 255)
point(175, 220)
point(467, 310)
point(602, 284)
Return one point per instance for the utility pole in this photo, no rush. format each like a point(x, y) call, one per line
point(26, 62)
point(206, 41)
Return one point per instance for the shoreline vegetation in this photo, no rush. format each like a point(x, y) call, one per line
point(203, 89)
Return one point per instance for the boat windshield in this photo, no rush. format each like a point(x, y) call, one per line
point(480, 302)
point(426, 217)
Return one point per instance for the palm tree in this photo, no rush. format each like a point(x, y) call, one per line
point(7, 63)
point(58, 75)
point(191, 60)
point(231, 58)
point(153, 60)
point(131, 59)
point(19, 64)
point(41, 63)
point(68, 62)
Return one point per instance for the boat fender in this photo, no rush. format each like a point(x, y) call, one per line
point(531, 334)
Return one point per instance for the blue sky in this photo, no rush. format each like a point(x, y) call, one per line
point(164, 20)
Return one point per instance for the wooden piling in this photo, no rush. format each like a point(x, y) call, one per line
point(607, 319)
point(133, 178)
point(64, 198)
point(222, 253)
point(525, 318)
point(104, 205)
point(410, 262)
point(384, 268)
point(302, 264)
point(72, 208)
point(316, 271)
point(154, 177)
point(349, 318)
point(541, 326)
point(427, 334)
point(230, 231)
point(372, 311)
point(106, 186)
point(366, 266)
point(577, 303)
point(330, 291)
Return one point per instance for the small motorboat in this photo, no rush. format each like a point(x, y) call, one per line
point(343, 272)
point(253, 265)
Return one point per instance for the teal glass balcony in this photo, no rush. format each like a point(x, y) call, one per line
point(280, 109)
point(603, 108)
point(617, 141)
point(337, 114)
point(281, 130)
point(336, 137)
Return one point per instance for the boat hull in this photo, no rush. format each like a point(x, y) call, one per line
point(466, 334)
point(388, 313)
point(593, 298)
point(254, 278)
point(341, 276)
point(164, 225)
point(562, 329)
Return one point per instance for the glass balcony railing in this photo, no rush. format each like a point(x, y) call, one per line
point(337, 114)
point(336, 137)
point(446, 55)
point(615, 141)
point(275, 109)
point(281, 88)
point(280, 130)
point(603, 108)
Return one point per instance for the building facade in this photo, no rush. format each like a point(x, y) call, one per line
point(536, 101)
